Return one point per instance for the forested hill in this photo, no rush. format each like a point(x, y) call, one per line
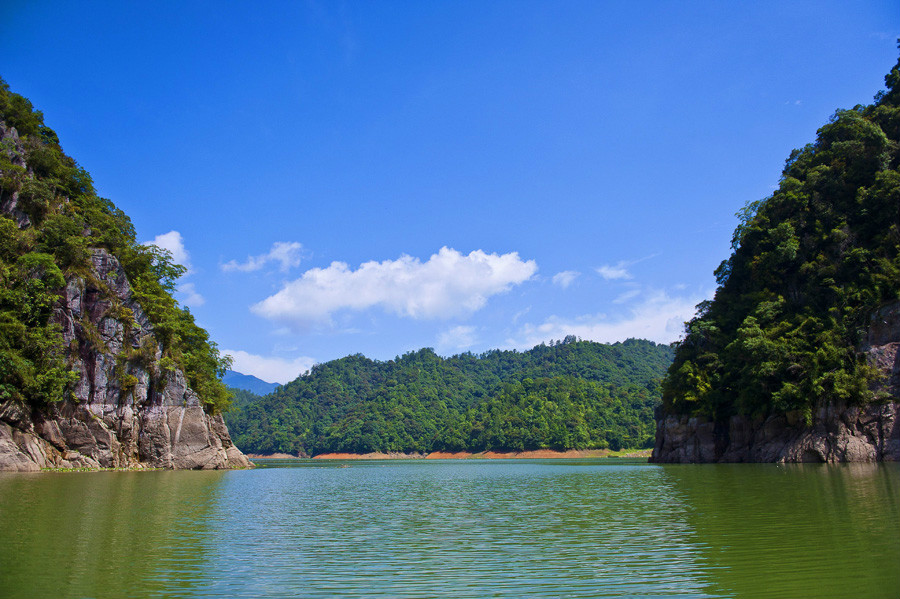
point(570, 394)
point(811, 266)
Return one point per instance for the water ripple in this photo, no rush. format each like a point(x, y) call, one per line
point(468, 529)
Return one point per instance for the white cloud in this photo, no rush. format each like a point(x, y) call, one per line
point(275, 370)
point(457, 339)
point(630, 294)
point(189, 294)
point(659, 317)
point(619, 271)
point(286, 253)
point(565, 278)
point(449, 284)
point(173, 242)
point(520, 314)
point(611, 273)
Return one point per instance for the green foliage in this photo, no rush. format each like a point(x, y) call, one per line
point(562, 413)
point(570, 394)
point(66, 220)
point(33, 367)
point(810, 265)
point(242, 397)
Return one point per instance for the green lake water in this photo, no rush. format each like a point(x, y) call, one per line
point(474, 528)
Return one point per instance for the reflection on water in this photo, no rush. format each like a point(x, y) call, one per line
point(796, 530)
point(104, 534)
point(574, 528)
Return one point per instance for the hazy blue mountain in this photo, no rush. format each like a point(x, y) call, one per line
point(248, 382)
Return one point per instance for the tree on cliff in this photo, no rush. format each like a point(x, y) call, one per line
point(50, 219)
point(810, 265)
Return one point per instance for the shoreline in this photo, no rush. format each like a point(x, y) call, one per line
point(535, 454)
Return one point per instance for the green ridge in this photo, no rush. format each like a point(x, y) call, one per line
point(570, 394)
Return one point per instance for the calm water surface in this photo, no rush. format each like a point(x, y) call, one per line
point(554, 528)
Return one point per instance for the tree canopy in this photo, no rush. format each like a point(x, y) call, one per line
point(809, 267)
point(569, 394)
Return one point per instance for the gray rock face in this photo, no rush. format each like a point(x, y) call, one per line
point(883, 348)
point(837, 433)
point(12, 146)
point(869, 433)
point(126, 413)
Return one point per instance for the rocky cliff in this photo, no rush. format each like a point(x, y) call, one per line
point(117, 399)
point(837, 433)
point(127, 411)
point(804, 326)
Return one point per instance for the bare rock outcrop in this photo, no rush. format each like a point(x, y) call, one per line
point(127, 410)
point(837, 432)
point(11, 145)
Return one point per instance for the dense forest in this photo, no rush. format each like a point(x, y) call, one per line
point(810, 266)
point(51, 219)
point(569, 394)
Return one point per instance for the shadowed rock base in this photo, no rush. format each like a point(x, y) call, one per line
point(837, 433)
point(868, 433)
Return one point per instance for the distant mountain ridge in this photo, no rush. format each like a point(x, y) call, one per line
point(569, 394)
point(248, 382)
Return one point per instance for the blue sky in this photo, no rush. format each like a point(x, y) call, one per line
point(377, 177)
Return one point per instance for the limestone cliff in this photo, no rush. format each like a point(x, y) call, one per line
point(85, 380)
point(127, 412)
point(837, 433)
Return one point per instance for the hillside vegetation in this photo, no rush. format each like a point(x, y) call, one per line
point(51, 219)
point(571, 394)
point(810, 265)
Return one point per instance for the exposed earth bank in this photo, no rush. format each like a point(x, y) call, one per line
point(539, 454)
